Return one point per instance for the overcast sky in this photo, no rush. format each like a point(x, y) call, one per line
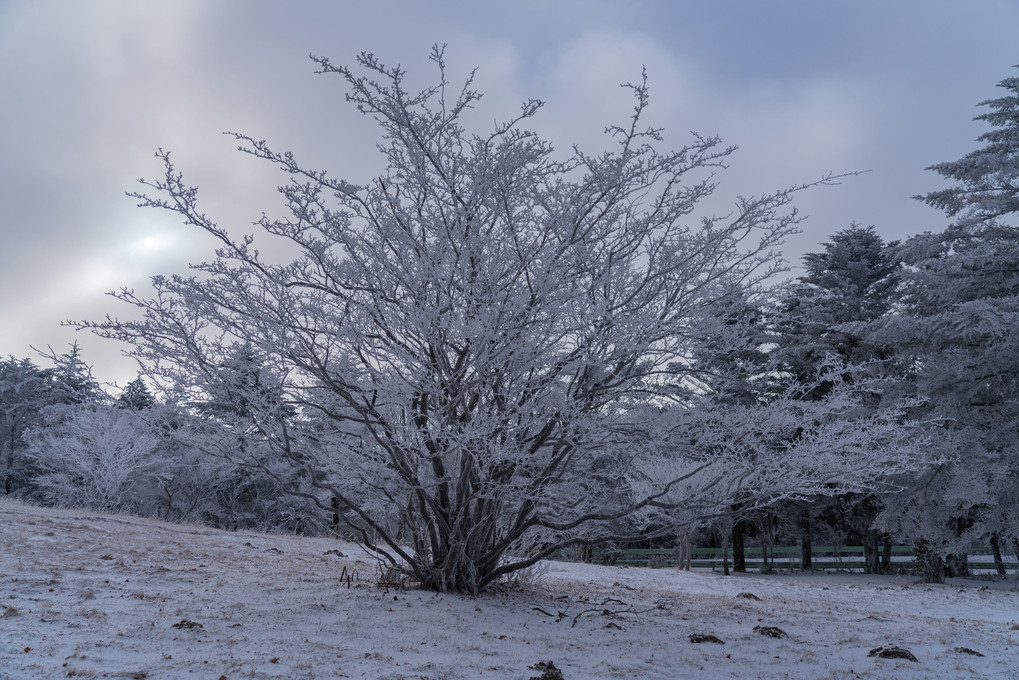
point(89, 89)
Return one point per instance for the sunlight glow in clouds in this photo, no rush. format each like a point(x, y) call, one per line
point(149, 246)
point(163, 243)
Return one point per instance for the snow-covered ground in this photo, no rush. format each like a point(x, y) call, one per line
point(85, 595)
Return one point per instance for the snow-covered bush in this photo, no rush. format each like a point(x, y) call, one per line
point(95, 456)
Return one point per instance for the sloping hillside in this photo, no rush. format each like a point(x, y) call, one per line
point(98, 596)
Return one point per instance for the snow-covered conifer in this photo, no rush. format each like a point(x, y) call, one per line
point(959, 331)
point(986, 180)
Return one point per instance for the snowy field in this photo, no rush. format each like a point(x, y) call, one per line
point(96, 596)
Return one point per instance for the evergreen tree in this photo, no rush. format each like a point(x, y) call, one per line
point(25, 390)
point(72, 378)
point(850, 282)
point(959, 331)
point(986, 180)
point(136, 396)
point(733, 366)
point(821, 320)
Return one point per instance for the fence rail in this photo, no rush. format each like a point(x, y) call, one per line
point(840, 558)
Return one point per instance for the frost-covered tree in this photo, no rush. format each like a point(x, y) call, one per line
point(986, 181)
point(959, 327)
point(26, 393)
point(72, 379)
point(93, 456)
point(25, 390)
point(734, 369)
point(790, 447)
point(823, 315)
point(136, 396)
point(959, 330)
point(234, 413)
point(851, 281)
point(474, 348)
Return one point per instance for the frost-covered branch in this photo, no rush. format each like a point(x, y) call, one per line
point(468, 340)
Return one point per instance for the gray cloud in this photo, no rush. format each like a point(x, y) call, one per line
point(90, 89)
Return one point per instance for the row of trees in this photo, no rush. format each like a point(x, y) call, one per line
point(932, 321)
point(938, 313)
point(493, 352)
point(67, 442)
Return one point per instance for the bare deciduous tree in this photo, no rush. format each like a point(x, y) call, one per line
point(469, 349)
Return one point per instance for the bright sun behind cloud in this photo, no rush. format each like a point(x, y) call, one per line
point(153, 243)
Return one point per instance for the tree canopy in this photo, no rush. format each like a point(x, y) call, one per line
point(475, 356)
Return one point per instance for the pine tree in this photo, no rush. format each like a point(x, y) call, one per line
point(27, 395)
point(959, 331)
point(987, 180)
point(136, 396)
point(849, 283)
point(72, 377)
point(25, 390)
point(822, 319)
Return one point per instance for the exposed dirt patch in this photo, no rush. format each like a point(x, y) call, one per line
point(548, 671)
point(771, 631)
point(892, 653)
point(187, 624)
point(697, 638)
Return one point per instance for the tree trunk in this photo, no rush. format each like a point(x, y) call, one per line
point(725, 552)
point(996, 547)
point(9, 466)
point(957, 564)
point(871, 558)
point(806, 540)
point(886, 555)
point(684, 551)
point(334, 523)
point(765, 528)
point(739, 558)
point(929, 564)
